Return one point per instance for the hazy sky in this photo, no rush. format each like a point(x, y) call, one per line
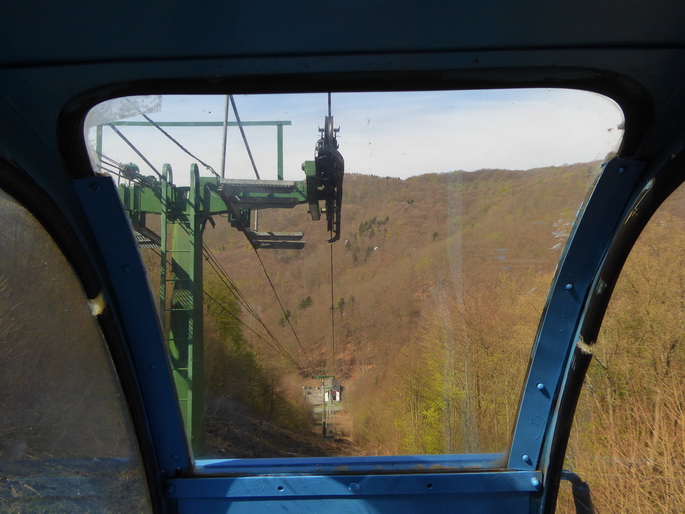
point(386, 134)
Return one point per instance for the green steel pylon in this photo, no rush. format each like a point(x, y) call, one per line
point(181, 291)
point(184, 212)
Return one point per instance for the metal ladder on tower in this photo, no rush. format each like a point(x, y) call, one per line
point(180, 294)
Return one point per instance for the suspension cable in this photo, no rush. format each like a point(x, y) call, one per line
point(113, 164)
point(233, 288)
point(276, 346)
point(109, 168)
point(332, 309)
point(118, 132)
point(109, 160)
point(226, 279)
point(287, 318)
point(219, 270)
point(279, 349)
point(242, 132)
point(179, 144)
point(216, 266)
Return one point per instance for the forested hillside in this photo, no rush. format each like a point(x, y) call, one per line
point(425, 311)
point(437, 285)
point(437, 288)
point(628, 439)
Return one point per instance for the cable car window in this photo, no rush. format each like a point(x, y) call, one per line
point(628, 433)
point(66, 442)
point(355, 274)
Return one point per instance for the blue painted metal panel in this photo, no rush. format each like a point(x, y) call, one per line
point(443, 504)
point(133, 305)
point(335, 465)
point(248, 29)
point(557, 336)
point(464, 492)
point(643, 64)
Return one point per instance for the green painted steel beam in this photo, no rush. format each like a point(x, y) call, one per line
point(279, 151)
point(138, 199)
point(199, 123)
point(309, 187)
point(184, 212)
point(182, 264)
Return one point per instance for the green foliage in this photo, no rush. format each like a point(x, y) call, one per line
point(452, 387)
point(436, 346)
point(305, 302)
point(372, 228)
point(224, 310)
point(367, 227)
point(283, 320)
point(235, 371)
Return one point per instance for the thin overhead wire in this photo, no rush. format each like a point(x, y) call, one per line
point(216, 266)
point(229, 283)
point(242, 132)
point(332, 290)
point(110, 160)
point(287, 318)
point(332, 310)
point(226, 280)
point(114, 167)
point(224, 139)
point(179, 144)
point(118, 132)
point(109, 168)
point(233, 288)
point(275, 344)
point(214, 263)
point(279, 349)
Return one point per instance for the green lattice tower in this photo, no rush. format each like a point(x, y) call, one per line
point(181, 291)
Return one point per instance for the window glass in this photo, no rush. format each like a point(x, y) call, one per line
point(65, 440)
point(411, 333)
point(628, 438)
